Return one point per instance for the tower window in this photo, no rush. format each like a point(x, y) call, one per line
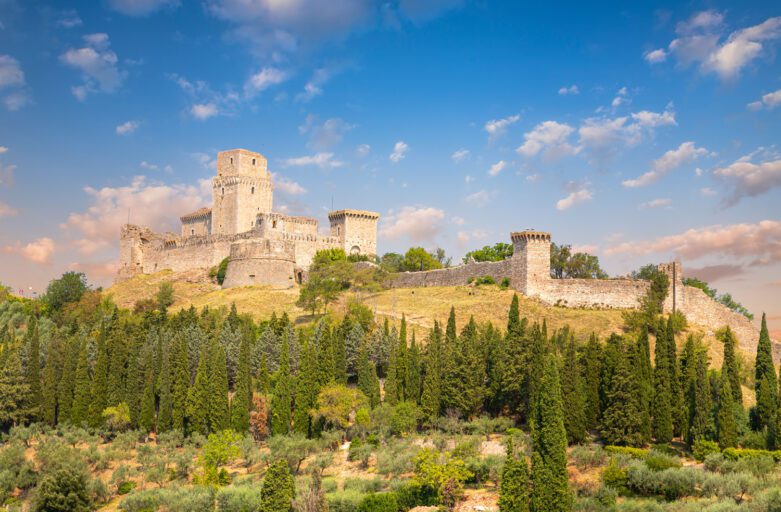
point(223, 190)
point(253, 161)
point(192, 231)
point(274, 224)
point(253, 188)
point(338, 230)
point(231, 160)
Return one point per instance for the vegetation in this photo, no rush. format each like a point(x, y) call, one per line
point(565, 264)
point(725, 298)
point(497, 252)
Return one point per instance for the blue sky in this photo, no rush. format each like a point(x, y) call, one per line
point(636, 132)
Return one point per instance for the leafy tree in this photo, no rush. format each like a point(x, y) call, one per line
point(550, 491)
point(651, 304)
point(564, 264)
point(165, 296)
point(222, 269)
point(279, 488)
point(514, 491)
point(765, 371)
point(116, 418)
point(67, 289)
point(336, 402)
point(63, 489)
point(417, 259)
point(497, 252)
point(443, 472)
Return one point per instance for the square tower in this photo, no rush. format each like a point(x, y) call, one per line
point(241, 190)
point(356, 230)
point(531, 261)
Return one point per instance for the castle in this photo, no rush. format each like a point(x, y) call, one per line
point(262, 246)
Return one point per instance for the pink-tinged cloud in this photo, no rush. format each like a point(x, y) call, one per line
point(419, 224)
point(37, 251)
point(715, 272)
point(759, 243)
point(748, 179)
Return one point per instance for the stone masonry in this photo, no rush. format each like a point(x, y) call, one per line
point(262, 246)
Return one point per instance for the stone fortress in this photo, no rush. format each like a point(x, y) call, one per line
point(263, 247)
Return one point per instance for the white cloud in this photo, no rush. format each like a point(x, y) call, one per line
point(150, 167)
point(701, 40)
point(480, 198)
point(657, 203)
point(12, 81)
point(127, 127)
point(322, 160)
point(140, 7)
point(149, 203)
point(466, 236)
point(399, 152)
point(603, 137)
point(3, 149)
point(460, 155)
point(363, 150)
point(533, 178)
point(770, 101)
point(419, 224)
point(649, 119)
point(37, 251)
point(497, 168)
point(622, 97)
point(98, 66)
point(579, 193)
point(314, 87)
point(287, 185)
point(203, 111)
point(685, 153)
point(69, 19)
point(324, 135)
point(7, 210)
point(498, 127)
point(655, 56)
point(749, 179)
point(572, 89)
point(262, 80)
point(550, 137)
point(207, 161)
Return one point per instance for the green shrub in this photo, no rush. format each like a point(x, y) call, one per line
point(344, 501)
point(658, 461)
point(63, 490)
point(505, 283)
point(637, 453)
point(484, 280)
point(615, 477)
point(244, 498)
point(222, 268)
point(606, 496)
point(588, 456)
point(142, 501)
point(753, 440)
point(363, 485)
point(751, 453)
point(411, 495)
point(703, 448)
point(125, 487)
point(383, 502)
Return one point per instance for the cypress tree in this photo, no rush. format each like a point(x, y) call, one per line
point(642, 375)
point(537, 351)
point(165, 419)
point(180, 384)
point(278, 489)
point(146, 419)
point(340, 352)
point(198, 395)
point(392, 384)
point(514, 326)
point(307, 389)
point(621, 420)
point(16, 399)
point(726, 428)
point(413, 372)
point(765, 371)
point(592, 369)
point(677, 407)
point(368, 382)
point(66, 385)
point(401, 359)
point(99, 399)
point(550, 490)
point(282, 399)
point(33, 373)
point(242, 397)
point(662, 410)
point(136, 376)
point(468, 372)
point(700, 409)
point(431, 397)
point(52, 376)
point(219, 413)
point(263, 382)
point(323, 345)
point(572, 394)
point(514, 487)
point(730, 365)
point(82, 386)
point(118, 363)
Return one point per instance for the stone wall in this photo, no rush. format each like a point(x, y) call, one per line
point(268, 262)
point(701, 309)
point(454, 276)
point(594, 293)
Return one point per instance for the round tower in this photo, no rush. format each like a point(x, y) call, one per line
point(531, 261)
point(241, 190)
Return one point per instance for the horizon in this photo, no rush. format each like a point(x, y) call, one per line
point(639, 134)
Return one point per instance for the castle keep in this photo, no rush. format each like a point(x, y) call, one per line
point(263, 246)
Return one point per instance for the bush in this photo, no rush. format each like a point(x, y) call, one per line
point(753, 440)
point(657, 461)
point(360, 451)
point(63, 489)
point(143, 501)
point(245, 498)
point(615, 477)
point(383, 502)
point(505, 283)
point(588, 456)
point(411, 495)
point(345, 501)
point(750, 453)
point(637, 453)
point(125, 487)
point(222, 268)
point(606, 496)
point(703, 448)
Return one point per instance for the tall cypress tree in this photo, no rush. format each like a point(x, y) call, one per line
point(242, 397)
point(323, 345)
point(392, 384)
point(118, 363)
point(99, 382)
point(730, 365)
point(67, 384)
point(621, 420)
point(307, 388)
point(33, 374)
point(468, 369)
point(146, 419)
point(401, 359)
point(165, 384)
point(678, 410)
point(514, 492)
point(368, 382)
point(662, 410)
point(550, 490)
point(431, 397)
point(643, 379)
point(340, 351)
point(282, 399)
point(180, 384)
point(82, 390)
point(52, 376)
point(726, 428)
point(413, 372)
point(700, 409)
point(572, 394)
point(592, 368)
point(15, 395)
point(198, 395)
point(219, 414)
point(765, 371)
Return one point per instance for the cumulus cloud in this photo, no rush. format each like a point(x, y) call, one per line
point(655, 56)
point(127, 127)
point(322, 160)
point(656, 203)
point(148, 203)
point(711, 273)
point(205, 102)
point(650, 119)
point(7, 210)
point(498, 127)
point(578, 193)
point(549, 137)
point(98, 65)
point(12, 84)
point(755, 244)
point(460, 155)
point(768, 101)
point(704, 41)
point(400, 150)
point(571, 90)
point(262, 80)
point(480, 198)
point(497, 168)
point(203, 111)
point(140, 7)
point(324, 135)
point(622, 97)
point(37, 251)
point(685, 153)
point(287, 185)
point(749, 179)
point(419, 224)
